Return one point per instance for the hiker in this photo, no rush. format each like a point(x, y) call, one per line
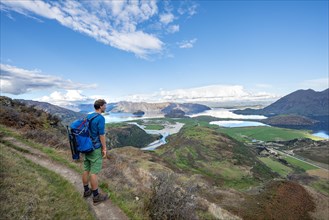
point(93, 160)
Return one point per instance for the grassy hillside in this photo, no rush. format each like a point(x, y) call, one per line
point(34, 124)
point(205, 151)
point(128, 135)
point(65, 115)
point(29, 191)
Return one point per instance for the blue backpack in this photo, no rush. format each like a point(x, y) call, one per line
point(79, 137)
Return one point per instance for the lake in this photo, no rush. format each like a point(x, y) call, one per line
point(115, 117)
point(234, 124)
point(227, 113)
point(321, 134)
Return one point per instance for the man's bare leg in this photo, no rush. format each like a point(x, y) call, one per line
point(85, 178)
point(93, 181)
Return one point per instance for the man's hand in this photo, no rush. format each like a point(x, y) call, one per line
point(104, 152)
point(102, 139)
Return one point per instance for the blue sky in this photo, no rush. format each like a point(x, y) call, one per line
point(72, 52)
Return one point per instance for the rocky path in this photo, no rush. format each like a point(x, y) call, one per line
point(105, 210)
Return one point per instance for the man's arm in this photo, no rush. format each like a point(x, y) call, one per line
point(103, 142)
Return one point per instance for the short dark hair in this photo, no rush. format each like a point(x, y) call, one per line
point(98, 103)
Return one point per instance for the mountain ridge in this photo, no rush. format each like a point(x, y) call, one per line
point(66, 115)
point(307, 103)
point(150, 109)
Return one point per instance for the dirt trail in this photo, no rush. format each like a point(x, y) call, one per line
point(105, 210)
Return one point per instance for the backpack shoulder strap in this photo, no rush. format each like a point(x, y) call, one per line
point(92, 118)
point(97, 114)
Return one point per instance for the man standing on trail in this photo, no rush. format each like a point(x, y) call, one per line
point(93, 160)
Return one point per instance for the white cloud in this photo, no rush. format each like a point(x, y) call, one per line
point(167, 18)
point(187, 44)
point(188, 7)
point(114, 23)
point(69, 100)
point(17, 81)
point(136, 42)
point(214, 93)
point(173, 28)
point(316, 84)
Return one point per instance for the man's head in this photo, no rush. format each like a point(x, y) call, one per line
point(100, 104)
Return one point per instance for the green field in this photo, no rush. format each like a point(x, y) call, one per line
point(159, 121)
point(266, 133)
point(154, 127)
point(276, 166)
point(299, 164)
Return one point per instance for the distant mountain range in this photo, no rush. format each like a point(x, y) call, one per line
point(310, 106)
point(86, 108)
point(307, 103)
point(302, 109)
point(150, 109)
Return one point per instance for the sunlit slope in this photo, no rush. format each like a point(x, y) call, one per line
point(205, 151)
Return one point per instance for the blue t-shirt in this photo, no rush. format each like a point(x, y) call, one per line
point(96, 128)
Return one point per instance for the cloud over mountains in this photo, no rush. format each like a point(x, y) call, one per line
point(213, 93)
point(71, 99)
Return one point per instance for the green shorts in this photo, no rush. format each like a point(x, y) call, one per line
point(93, 161)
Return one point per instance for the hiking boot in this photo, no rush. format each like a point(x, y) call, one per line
point(87, 193)
point(100, 198)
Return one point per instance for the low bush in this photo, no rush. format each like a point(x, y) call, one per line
point(169, 201)
point(50, 138)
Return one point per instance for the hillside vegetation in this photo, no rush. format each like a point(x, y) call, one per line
point(217, 170)
point(201, 150)
point(65, 115)
point(29, 191)
point(33, 123)
point(128, 135)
